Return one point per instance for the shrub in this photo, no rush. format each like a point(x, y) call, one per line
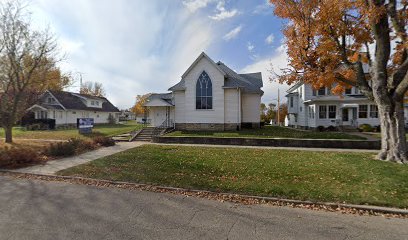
point(331, 128)
point(71, 147)
point(34, 127)
point(12, 157)
point(104, 141)
point(321, 128)
point(366, 128)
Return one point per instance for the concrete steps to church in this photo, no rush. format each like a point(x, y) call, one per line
point(146, 134)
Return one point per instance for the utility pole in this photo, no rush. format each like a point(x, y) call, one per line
point(80, 82)
point(278, 107)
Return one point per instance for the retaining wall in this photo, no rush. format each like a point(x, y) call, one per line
point(274, 142)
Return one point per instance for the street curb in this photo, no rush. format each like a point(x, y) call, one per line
point(156, 188)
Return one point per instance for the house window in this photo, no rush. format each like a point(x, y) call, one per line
point(348, 91)
point(73, 112)
point(50, 100)
point(322, 91)
point(362, 111)
point(291, 102)
point(204, 95)
point(314, 92)
point(311, 114)
point(322, 112)
point(92, 102)
point(295, 117)
point(97, 103)
point(42, 115)
point(373, 111)
point(60, 113)
point(301, 109)
point(332, 111)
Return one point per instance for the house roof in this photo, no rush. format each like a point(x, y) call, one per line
point(70, 100)
point(249, 82)
point(298, 84)
point(166, 99)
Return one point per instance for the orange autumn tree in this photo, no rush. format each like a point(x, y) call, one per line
point(330, 41)
point(138, 108)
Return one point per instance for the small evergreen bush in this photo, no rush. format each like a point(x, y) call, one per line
point(366, 128)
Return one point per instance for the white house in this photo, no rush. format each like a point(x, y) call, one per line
point(210, 96)
point(310, 108)
point(67, 107)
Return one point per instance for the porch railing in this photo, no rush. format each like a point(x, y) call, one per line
point(167, 124)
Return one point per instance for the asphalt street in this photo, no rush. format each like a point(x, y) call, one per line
point(31, 209)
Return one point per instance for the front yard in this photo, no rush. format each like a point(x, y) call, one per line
point(64, 134)
point(323, 176)
point(268, 132)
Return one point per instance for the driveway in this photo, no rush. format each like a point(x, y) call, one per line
point(53, 210)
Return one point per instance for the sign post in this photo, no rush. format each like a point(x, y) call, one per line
point(85, 125)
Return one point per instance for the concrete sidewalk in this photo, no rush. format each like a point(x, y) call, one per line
point(54, 166)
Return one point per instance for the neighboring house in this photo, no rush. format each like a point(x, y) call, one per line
point(126, 115)
point(210, 96)
point(67, 107)
point(310, 108)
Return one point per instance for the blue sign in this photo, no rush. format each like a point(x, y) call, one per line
point(85, 125)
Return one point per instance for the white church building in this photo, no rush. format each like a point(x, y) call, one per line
point(210, 96)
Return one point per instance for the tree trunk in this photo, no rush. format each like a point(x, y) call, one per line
point(9, 133)
point(393, 140)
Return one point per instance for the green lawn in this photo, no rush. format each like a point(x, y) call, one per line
point(106, 130)
point(269, 132)
point(323, 176)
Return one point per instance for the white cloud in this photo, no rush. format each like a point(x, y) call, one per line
point(69, 46)
point(110, 44)
point(265, 8)
point(269, 39)
point(233, 33)
point(275, 61)
point(222, 13)
point(194, 5)
point(250, 46)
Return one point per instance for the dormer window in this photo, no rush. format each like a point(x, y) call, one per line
point(97, 103)
point(50, 100)
point(348, 91)
point(92, 103)
point(322, 91)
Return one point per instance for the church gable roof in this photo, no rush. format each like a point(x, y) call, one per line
point(249, 82)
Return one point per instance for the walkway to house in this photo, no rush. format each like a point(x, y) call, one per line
point(54, 166)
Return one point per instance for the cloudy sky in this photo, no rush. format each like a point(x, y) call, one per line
point(139, 46)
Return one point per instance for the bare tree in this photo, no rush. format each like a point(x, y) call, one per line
point(23, 51)
point(93, 88)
